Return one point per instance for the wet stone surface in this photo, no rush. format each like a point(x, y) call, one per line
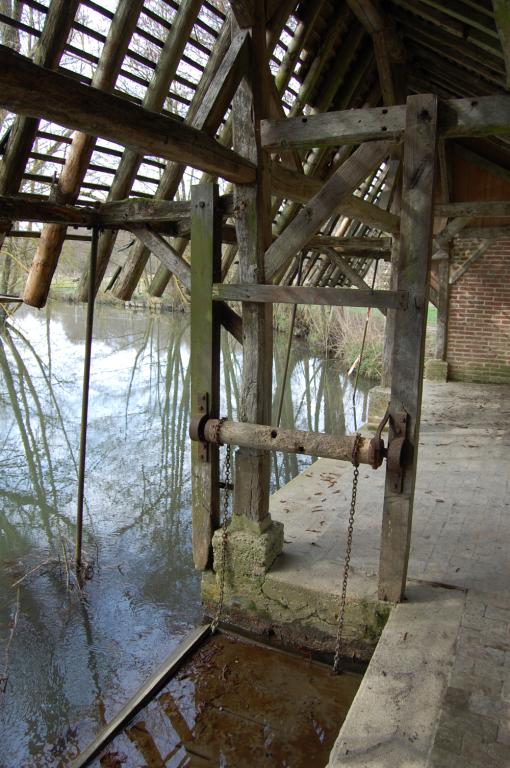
point(239, 704)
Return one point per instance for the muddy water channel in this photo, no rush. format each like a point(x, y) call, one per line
point(69, 660)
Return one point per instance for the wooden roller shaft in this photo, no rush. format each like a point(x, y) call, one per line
point(267, 438)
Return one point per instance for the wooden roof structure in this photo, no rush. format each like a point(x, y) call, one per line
point(181, 61)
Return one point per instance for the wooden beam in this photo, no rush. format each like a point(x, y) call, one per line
point(253, 226)
point(42, 211)
point(384, 41)
point(244, 12)
point(205, 365)
point(420, 148)
point(154, 99)
point(221, 77)
point(480, 233)
point(290, 294)
point(442, 303)
point(482, 248)
point(47, 53)
point(175, 263)
point(502, 19)
point(324, 204)
point(333, 128)
point(78, 106)
point(68, 185)
point(450, 231)
point(349, 272)
point(473, 210)
point(481, 116)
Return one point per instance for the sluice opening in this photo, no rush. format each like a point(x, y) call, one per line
point(238, 703)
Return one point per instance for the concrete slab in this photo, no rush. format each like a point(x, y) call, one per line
point(394, 716)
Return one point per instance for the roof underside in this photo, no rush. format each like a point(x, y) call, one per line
point(322, 59)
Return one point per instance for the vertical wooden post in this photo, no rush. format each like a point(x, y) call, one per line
point(253, 225)
point(443, 301)
point(420, 147)
point(205, 362)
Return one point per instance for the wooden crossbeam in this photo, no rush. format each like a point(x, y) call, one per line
point(175, 263)
point(42, 211)
point(47, 53)
point(290, 294)
point(481, 209)
point(78, 106)
point(481, 116)
point(324, 204)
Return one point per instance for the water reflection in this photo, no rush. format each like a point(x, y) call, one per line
point(72, 661)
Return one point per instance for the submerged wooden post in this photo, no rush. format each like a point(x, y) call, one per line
point(410, 327)
point(205, 362)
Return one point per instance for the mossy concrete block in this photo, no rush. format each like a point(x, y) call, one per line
point(249, 554)
point(436, 370)
point(378, 399)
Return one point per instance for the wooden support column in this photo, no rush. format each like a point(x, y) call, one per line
point(443, 300)
point(205, 362)
point(420, 146)
point(253, 226)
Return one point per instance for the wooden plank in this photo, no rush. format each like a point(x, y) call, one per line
point(165, 253)
point(482, 248)
point(333, 128)
point(442, 303)
point(479, 233)
point(252, 102)
point(480, 209)
point(420, 147)
point(300, 188)
point(205, 362)
point(324, 204)
point(291, 294)
point(175, 263)
point(78, 106)
point(348, 271)
point(480, 116)
point(23, 209)
point(502, 19)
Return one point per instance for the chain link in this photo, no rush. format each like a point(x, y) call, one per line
point(224, 528)
point(350, 530)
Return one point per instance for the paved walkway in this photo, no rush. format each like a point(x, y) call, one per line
point(461, 536)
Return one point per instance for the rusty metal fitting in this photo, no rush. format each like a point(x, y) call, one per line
point(396, 454)
point(376, 452)
point(197, 427)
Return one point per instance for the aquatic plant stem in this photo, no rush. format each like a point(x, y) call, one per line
point(85, 400)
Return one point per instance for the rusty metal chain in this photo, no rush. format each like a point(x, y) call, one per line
point(224, 528)
point(350, 530)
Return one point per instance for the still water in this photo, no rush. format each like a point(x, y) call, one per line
point(68, 661)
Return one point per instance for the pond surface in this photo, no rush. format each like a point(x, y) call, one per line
point(68, 661)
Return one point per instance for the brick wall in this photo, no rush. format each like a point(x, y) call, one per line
point(479, 318)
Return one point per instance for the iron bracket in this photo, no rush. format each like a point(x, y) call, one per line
point(397, 451)
point(197, 424)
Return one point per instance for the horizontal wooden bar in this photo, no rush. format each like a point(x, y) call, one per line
point(267, 438)
point(480, 116)
point(333, 128)
point(17, 208)
point(74, 105)
point(481, 209)
point(331, 297)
